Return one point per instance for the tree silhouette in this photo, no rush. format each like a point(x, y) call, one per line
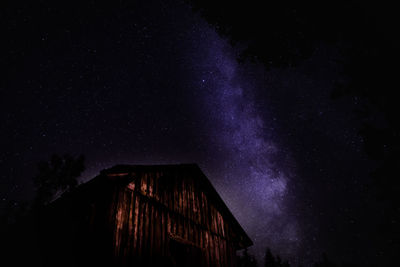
point(247, 260)
point(325, 262)
point(278, 261)
point(58, 174)
point(269, 259)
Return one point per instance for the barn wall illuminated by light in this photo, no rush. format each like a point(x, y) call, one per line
point(166, 215)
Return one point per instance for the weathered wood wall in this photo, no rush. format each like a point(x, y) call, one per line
point(141, 216)
point(158, 208)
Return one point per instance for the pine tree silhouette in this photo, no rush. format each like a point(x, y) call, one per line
point(269, 259)
point(58, 174)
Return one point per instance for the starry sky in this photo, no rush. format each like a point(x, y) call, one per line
point(153, 83)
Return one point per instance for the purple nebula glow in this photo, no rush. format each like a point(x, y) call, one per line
point(253, 184)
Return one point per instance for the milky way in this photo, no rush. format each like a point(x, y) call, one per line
point(254, 185)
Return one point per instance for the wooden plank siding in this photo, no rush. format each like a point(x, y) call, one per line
point(167, 215)
point(159, 207)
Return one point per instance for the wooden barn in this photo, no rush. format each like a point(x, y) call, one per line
point(164, 215)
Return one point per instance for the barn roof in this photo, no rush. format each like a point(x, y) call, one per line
point(126, 170)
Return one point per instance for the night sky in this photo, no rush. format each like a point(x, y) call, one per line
point(154, 83)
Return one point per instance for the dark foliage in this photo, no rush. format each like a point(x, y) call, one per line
point(60, 173)
point(325, 262)
point(247, 260)
point(274, 261)
point(269, 259)
point(22, 224)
